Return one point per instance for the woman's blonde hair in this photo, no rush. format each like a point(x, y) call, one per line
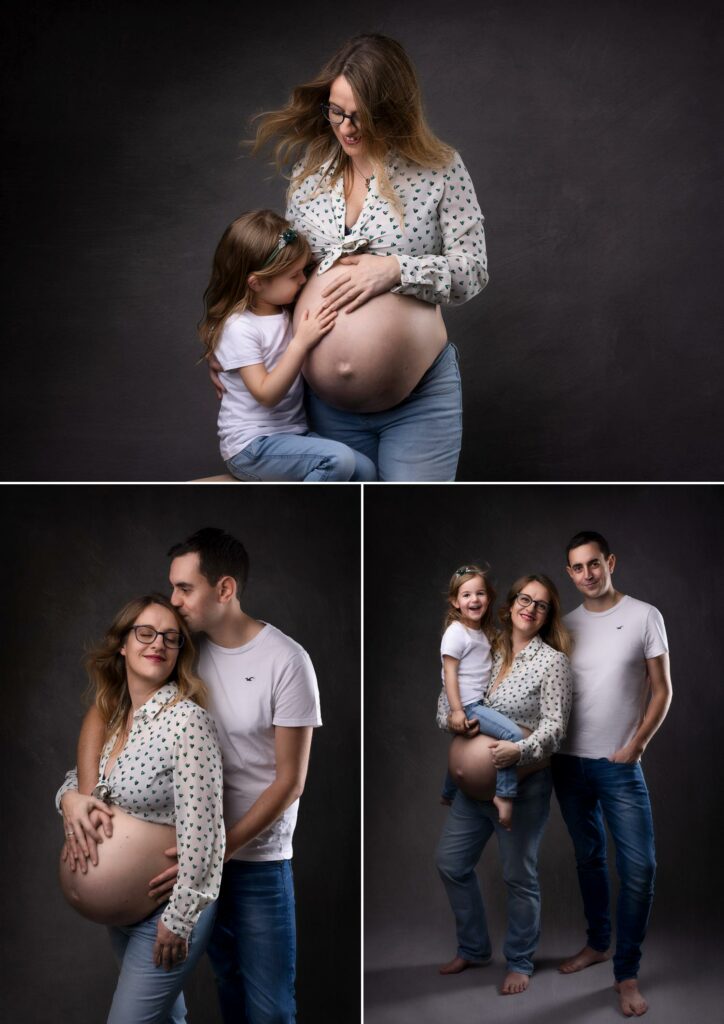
point(463, 575)
point(106, 666)
point(553, 632)
point(248, 246)
point(389, 108)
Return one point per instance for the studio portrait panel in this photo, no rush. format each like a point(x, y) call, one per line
point(665, 541)
point(588, 138)
point(73, 557)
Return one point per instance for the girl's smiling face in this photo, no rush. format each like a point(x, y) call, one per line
point(472, 601)
point(348, 134)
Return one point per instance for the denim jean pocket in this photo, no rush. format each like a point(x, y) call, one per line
point(443, 377)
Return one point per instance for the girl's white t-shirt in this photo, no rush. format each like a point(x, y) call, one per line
point(471, 647)
point(248, 339)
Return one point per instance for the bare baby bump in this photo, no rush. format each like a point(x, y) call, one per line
point(374, 356)
point(470, 762)
point(115, 890)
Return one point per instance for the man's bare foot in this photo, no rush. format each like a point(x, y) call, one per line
point(504, 807)
point(584, 958)
point(513, 983)
point(631, 1001)
point(459, 963)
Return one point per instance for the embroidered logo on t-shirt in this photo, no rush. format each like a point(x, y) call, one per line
point(249, 679)
point(619, 627)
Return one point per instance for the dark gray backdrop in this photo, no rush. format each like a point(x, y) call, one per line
point(670, 545)
point(591, 135)
point(71, 558)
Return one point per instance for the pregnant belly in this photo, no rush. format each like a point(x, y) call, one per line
point(470, 762)
point(373, 357)
point(115, 890)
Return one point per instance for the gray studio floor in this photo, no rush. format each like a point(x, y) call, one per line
point(681, 983)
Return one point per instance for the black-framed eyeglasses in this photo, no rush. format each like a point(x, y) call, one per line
point(147, 634)
point(337, 117)
point(525, 601)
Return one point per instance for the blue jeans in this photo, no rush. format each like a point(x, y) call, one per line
point(492, 723)
point(146, 994)
point(417, 440)
point(590, 790)
point(253, 948)
point(299, 457)
point(470, 824)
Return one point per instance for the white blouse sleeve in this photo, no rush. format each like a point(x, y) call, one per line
point(461, 270)
point(556, 694)
point(70, 782)
point(200, 834)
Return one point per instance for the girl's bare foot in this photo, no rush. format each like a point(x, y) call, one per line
point(504, 807)
point(513, 983)
point(459, 963)
point(584, 958)
point(631, 1001)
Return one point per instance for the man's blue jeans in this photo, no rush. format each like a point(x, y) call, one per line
point(590, 790)
point(298, 457)
point(146, 994)
point(470, 824)
point(492, 723)
point(417, 440)
point(253, 947)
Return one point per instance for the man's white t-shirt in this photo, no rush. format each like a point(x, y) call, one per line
point(610, 682)
point(246, 340)
point(471, 647)
point(269, 681)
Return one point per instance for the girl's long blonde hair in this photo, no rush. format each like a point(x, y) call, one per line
point(458, 578)
point(245, 248)
point(106, 666)
point(389, 107)
point(553, 632)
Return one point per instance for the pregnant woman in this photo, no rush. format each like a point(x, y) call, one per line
point(396, 232)
point(531, 684)
point(160, 785)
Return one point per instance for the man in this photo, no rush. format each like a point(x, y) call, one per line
point(263, 697)
point(621, 693)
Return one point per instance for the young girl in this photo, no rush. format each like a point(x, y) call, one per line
point(257, 271)
point(466, 666)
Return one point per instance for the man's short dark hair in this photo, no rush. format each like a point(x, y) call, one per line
point(219, 553)
point(588, 537)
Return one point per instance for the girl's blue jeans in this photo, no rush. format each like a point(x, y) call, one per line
point(417, 440)
point(492, 723)
point(591, 791)
point(146, 994)
point(299, 457)
point(253, 946)
point(469, 826)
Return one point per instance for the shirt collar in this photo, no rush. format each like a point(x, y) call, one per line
point(530, 650)
point(157, 703)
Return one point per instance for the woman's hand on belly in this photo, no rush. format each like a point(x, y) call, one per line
point(85, 819)
point(366, 277)
point(505, 753)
